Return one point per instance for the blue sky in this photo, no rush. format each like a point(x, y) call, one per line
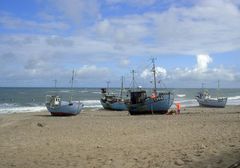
point(193, 42)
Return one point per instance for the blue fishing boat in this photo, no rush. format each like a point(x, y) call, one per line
point(58, 107)
point(113, 102)
point(157, 103)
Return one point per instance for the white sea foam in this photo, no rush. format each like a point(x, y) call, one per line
point(92, 103)
point(83, 91)
point(234, 98)
point(96, 92)
point(22, 109)
point(8, 105)
point(188, 102)
point(64, 91)
point(181, 95)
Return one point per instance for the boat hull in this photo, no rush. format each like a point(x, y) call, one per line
point(219, 103)
point(65, 108)
point(158, 105)
point(118, 105)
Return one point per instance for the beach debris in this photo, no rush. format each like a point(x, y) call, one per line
point(179, 162)
point(99, 146)
point(40, 125)
point(203, 146)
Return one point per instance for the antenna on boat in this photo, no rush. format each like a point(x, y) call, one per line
point(72, 80)
point(203, 86)
point(121, 93)
point(108, 82)
point(218, 88)
point(73, 73)
point(55, 83)
point(133, 78)
point(154, 76)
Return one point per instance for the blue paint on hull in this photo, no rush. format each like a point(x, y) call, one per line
point(158, 105)
point(118, 106)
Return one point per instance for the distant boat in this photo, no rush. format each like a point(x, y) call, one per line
point(157, 103)
point(112, 101)
point(204, 99)
point(57, 107)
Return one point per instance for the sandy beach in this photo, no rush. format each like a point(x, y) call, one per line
point(198, 137)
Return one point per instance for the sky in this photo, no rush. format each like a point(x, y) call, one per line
point(191, 41)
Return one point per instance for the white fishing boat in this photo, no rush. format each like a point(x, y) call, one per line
point(205, 99)
point(58, 107)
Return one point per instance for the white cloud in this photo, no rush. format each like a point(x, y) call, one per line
point(202, 62)
point(206, 27)
point(92, 71)
point(77, 10)
point(202, 73)
point(160, 72)
point(124, 62)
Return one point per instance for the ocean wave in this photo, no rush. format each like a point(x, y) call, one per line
point(181, 95)
point(83, 91)
point(22, 109)
point(9, 105)
point(91, 103)
point(64, 91)
point(234, 98)
point(96, 92)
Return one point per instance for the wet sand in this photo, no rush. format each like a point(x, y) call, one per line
point(198, 137)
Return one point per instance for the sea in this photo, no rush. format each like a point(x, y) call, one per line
point(19, 100)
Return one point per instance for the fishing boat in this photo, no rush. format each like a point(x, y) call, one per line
point(58, 107)
point(204, 99)
point(157, 103)
point(113, 102)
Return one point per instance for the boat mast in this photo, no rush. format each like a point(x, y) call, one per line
point(133, 78)
point(72, 80)
point(203, 85)
point(218, 89)
point(55, 86)
point(154, 76)
point(108, 82)
point(55, 83)
point(121, 93)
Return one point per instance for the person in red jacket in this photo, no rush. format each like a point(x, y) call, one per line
point(178, 106)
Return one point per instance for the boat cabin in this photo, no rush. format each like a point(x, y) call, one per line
point(104, 90)
point(53, 100)
point(138, 96)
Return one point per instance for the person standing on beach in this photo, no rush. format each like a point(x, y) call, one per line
point(178, 106)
